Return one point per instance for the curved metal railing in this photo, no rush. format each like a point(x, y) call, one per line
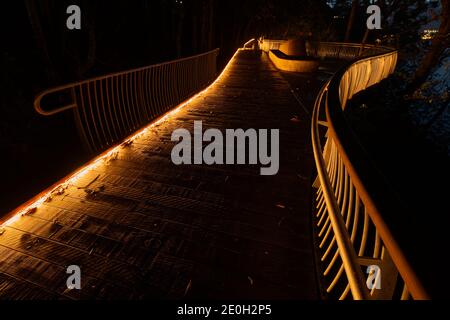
point(330, 50)
point(352, 237)
point(269, 44)
point(109, 108)
point(343, 51)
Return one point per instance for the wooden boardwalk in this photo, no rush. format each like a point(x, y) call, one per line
point(140, 227)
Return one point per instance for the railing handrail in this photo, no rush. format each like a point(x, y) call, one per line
point(346, 251)
point(353, 44)
point(336, 126)
point(110, 107)
point(38, 99)
point(331, 43)
point(334, 110)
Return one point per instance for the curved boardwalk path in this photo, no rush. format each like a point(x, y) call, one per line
point(140, 227)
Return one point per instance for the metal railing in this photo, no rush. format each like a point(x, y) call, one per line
point(343, 51)
point(269, 44)
point(330, 50)
point(352, 237)
point(109, 108)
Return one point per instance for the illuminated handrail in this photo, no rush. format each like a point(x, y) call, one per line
point(109, 108)
point(269, 44)
point(343, 51)
point(331, 50)
point(251, 44)
point(350, 230)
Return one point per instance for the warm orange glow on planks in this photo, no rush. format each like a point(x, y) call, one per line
point(41, 198)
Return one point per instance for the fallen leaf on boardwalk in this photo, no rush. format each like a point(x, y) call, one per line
point(30, 211)
point(188, 287)
point(251, 280)
point(59, 191)
point(95, 191)
point(90, 191)
point(281, 206)
point(113, 156)
point(127, 144)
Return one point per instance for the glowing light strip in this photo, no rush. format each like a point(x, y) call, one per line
point(46, 195)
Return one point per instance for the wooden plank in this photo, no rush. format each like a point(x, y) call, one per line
point(141, 227)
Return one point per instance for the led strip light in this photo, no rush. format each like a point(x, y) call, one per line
point(41, 198)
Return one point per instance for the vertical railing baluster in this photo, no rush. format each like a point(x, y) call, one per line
point(148, 92)
point(142, 96)
point(100, 115)
point(377, 245)
point(98, 142)
point(346, 192)
point(137, 102)
point(166, 90)
point(131, 103)
point(105, 113)
point(78, 111)
point(172, 88)
point(405, 293)
point(123, 108)
point(362, 246)
point(152, 89)
point(355, 219)
point(111, 105)
point(350, 205)
point(91, 141)
point(158, 89)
